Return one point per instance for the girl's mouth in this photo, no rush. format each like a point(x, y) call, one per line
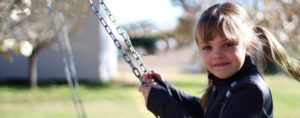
point(220, 64)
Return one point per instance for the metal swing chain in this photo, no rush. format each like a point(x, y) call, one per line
point(69, 70)
point(123, 33)
point(125, 36)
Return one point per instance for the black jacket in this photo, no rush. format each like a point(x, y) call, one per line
point(248, 96)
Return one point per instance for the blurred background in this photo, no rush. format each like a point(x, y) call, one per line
point(46, 45)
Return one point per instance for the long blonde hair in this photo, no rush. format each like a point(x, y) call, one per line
point(232, 21)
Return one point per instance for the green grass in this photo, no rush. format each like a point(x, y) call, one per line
point(122, 100)
point(286, 96)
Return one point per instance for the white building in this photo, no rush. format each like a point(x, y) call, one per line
point(85, 46)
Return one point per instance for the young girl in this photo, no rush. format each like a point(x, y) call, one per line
point(226, 40)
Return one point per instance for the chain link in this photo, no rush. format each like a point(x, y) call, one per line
point(125, 36)
point(123, 33)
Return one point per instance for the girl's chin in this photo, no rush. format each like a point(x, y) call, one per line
point(223, 75)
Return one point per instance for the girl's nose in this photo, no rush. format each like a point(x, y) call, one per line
point(218, 54)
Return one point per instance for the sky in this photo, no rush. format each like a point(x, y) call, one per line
point(159, 12)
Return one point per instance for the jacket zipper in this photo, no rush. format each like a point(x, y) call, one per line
point(213, 98)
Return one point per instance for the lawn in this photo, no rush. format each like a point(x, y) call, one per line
point(122, 100)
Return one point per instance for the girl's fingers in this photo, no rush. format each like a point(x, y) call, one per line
point(150, 76)
point(145, 90)
point(152, 84)
point(149, 81)
point(156, 75)
point(141, 88)
point(146, 76)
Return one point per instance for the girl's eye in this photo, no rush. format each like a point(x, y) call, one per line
point(206, 48)
point(229, 44)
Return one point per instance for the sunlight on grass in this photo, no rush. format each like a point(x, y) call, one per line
point(119, 100)
point(286, 96)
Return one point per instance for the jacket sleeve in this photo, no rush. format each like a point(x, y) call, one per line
point(190, 104)
point(176, 105)
point(247, 102)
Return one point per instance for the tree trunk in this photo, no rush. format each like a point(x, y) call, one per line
point(33, 69)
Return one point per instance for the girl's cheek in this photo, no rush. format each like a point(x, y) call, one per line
point(204, 54)
point(205, 57)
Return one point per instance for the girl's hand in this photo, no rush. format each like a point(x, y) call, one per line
point(151, 76)
point(145, 90)
point(149, 79)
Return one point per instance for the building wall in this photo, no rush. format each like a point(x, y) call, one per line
point(85, 44)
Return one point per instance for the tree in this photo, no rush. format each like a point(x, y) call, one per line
point(31, 22)
point(284, 16)
point(183, 32)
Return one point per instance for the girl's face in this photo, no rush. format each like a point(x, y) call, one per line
point(222, 57)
